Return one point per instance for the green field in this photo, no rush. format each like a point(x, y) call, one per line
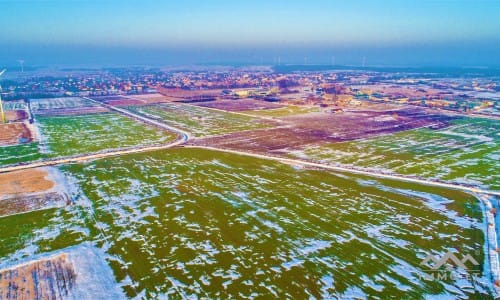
point(191, 222)
point(200, 121)
point(81, 134)
point(71, 135)
point(467, 152)
point(19, 153)
point(283, 111)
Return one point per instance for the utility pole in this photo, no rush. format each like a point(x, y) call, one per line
point(1, 104)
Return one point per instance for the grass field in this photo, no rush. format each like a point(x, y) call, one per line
point(70, 135)
point(80, 134)
point(198, 120)
point(189, 222)
point(467, 152)
point(19, 153)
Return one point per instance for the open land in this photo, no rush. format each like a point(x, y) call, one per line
point(200, 121)
point(133, 100)
point(29, 190)
point(14, 105)
point(64, 106)
point(74, 273)
point(70, 135)
point(14, 134)
point(399, 140)
point(196, 222)
point(66, 133)
point(467, 152)
point(284, 111)
point(20, 153)
point(42, 279)
point(26, 181)
point(189, 222)
point(239, 104)
point(16, 115)
point(310, 128)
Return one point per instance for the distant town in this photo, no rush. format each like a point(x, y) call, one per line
point(333, 90)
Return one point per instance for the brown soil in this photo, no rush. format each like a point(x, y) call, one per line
point(189, 94)
point(16, 115)
point(24, 182)
point(125, 102)
point(239, 105)
point(14, 133)
point(151, 98)
point(51, 278)
point(134, 100)
point(317, 128)
point(23, 203)
point(265, 140)
point(360, 124)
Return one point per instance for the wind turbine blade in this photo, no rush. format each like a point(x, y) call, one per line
point(3, 71)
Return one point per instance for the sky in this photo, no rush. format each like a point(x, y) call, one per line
point(343, 32)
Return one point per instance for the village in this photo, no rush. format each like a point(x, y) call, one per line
point(335, 90)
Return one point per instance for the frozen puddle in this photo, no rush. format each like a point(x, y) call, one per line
point(78, 272)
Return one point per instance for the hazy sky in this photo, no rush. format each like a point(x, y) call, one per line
point(447, 32)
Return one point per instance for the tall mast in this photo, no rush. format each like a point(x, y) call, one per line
point(1, 105)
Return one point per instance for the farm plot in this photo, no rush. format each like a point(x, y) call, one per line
point(15, 110)
point(75, 273)
point(467, 152)
point(72, 135)
point(317, 128)
point(14, 105)
point(191, 223)
point(151, 98)
point(200, 121)
point(20, 154)
point(119, 100)
point(360, 124)
point(16, 115)
point(239, 105)
point(65, 106)
point(289, 110)
point(33, 189)
point(145, 99)
point(14, 134)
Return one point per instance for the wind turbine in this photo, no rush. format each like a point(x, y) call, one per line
point(21, 62)
point(1, 105)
